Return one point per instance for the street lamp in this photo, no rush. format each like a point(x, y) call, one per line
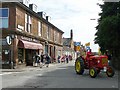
point(92, 19)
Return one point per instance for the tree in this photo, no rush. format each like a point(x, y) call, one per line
point(108, 29)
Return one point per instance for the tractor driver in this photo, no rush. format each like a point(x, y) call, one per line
point(88, 54)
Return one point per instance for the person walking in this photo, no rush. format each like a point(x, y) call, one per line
point(59, 59)
point(109, 57)
point(67, 59)
point(37, 58)
point(41, 60)
point(47, 60)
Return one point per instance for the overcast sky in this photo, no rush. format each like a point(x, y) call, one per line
point(75, 15)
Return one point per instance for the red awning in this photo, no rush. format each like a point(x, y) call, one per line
point(29, 45)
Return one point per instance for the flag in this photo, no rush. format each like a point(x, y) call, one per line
point(77, 48)
point(87, 44)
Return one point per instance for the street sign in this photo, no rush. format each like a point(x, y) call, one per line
point(77, 43)
point(87, 48)
point(9, 40)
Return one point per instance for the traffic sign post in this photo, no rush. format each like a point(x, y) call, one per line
point(9, 42)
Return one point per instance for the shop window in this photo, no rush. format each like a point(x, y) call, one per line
point(6, 56)
point(4, 15)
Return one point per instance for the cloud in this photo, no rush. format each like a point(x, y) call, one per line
point(72, 14)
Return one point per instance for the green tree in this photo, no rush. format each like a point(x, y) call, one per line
point(108, 30)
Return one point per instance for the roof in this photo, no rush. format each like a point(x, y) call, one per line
point(66, 41)
point(23, 6)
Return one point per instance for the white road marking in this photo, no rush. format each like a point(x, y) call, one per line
point(6, 73)
point(39, 75)
point(113, 86)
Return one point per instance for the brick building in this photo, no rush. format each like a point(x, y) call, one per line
point(25, 32)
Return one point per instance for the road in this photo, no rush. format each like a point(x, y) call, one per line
point(57, 76)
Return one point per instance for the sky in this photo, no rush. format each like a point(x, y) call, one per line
point(75, 15)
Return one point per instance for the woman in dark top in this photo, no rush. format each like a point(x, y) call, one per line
point(47, 60)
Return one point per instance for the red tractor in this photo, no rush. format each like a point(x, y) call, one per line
point(94, 63)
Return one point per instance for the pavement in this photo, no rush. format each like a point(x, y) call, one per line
point(26, 68)
point(22, 68)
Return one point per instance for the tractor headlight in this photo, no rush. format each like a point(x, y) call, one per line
point(105, 69)
point(98, 61)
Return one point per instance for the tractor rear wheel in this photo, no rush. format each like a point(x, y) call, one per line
point(110, 72)
point(79, 66)
point(93, 72)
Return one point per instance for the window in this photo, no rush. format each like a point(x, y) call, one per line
point(4, 15)
point(58, 37)
point(39, 28)
point(55, 36)
point(47, 32)
point(28, 23)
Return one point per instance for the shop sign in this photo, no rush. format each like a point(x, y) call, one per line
point(20, 28)
point(29, 39)
point(77, 43)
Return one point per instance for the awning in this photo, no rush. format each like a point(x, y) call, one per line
point(29, 45)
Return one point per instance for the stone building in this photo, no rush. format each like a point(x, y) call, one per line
point(68, 45)
point(25, 33)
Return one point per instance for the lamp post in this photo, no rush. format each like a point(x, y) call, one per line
point(9, 42)
point(12, 57)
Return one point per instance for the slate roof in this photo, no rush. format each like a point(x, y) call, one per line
point(67, 42)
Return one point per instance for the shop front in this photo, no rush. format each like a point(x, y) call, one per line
point(6, 54)
point(27, 50)
point(20, 52)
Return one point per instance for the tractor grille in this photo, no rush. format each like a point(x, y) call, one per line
point(104, 60)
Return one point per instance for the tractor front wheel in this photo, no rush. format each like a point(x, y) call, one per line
point(79, 66)
point(93, 72)
point(110, 72)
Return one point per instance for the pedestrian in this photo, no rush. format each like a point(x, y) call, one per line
point(37, 58)
point(109, 57)
point(58, 59)
point(67, 58)
point(63, 59)
point(41, 59)
point(47, 60)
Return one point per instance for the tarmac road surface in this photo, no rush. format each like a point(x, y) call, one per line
point(57, 76)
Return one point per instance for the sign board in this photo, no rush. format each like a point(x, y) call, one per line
point(77, 43)
point(87, 48)
point(9, 40)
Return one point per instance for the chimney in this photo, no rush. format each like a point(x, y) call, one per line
point(42, 14)
point(71, 34)
point(33, 7)
point(47, 18)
